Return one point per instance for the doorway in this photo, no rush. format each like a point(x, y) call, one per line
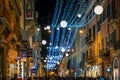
point(116, 69)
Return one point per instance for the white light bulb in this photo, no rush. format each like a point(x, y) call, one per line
point(98, 9)
point(63, 24)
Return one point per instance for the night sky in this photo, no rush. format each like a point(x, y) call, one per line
point(46, 11)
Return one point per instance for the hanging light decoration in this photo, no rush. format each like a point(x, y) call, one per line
point(50, 58)
point(98, 9)
point(79, 15)
point(63, 50)
point(45, 28)
point(69, 28)
point(63, 24)
point(48, 27)
point(66, 54)
point(58, 28)
point(44, 42)
point(38, 29)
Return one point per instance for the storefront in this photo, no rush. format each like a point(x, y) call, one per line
point(12, 58)
point(93, 71)
point(116, 69)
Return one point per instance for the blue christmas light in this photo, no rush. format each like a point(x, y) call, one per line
point(67, 10)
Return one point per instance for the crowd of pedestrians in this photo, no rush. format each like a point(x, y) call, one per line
point(59, 78)
point(69, 78)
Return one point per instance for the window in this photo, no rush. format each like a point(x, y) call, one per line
point(113, 37)
point(104, 14)
point(113, 11)
point(102, 44)
point(90, 33)
point(94, 31)
point(98, 25)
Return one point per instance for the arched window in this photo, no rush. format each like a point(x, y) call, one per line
point(116, 69)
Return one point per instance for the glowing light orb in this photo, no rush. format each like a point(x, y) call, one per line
point(69, 28)
point(58, 28)
point(58, 63)
point(98, 9)
point(50, 58)
point(56, 47)
point(66, 54)
point(45, 61)
point(47, 27)
point(62, 50)
point(50, 43)
point(63, 24)
point(44, 42)
point(79, 15)
point(38, 29)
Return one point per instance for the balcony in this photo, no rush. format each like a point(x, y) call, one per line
point(104, 53)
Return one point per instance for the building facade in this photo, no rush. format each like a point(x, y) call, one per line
point(99, 46)
point(10, 36)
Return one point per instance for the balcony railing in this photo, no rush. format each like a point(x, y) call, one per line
point(104, 53)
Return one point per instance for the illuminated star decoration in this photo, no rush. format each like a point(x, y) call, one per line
point(73, 14)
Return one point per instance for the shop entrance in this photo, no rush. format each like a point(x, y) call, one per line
point(116, 69)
